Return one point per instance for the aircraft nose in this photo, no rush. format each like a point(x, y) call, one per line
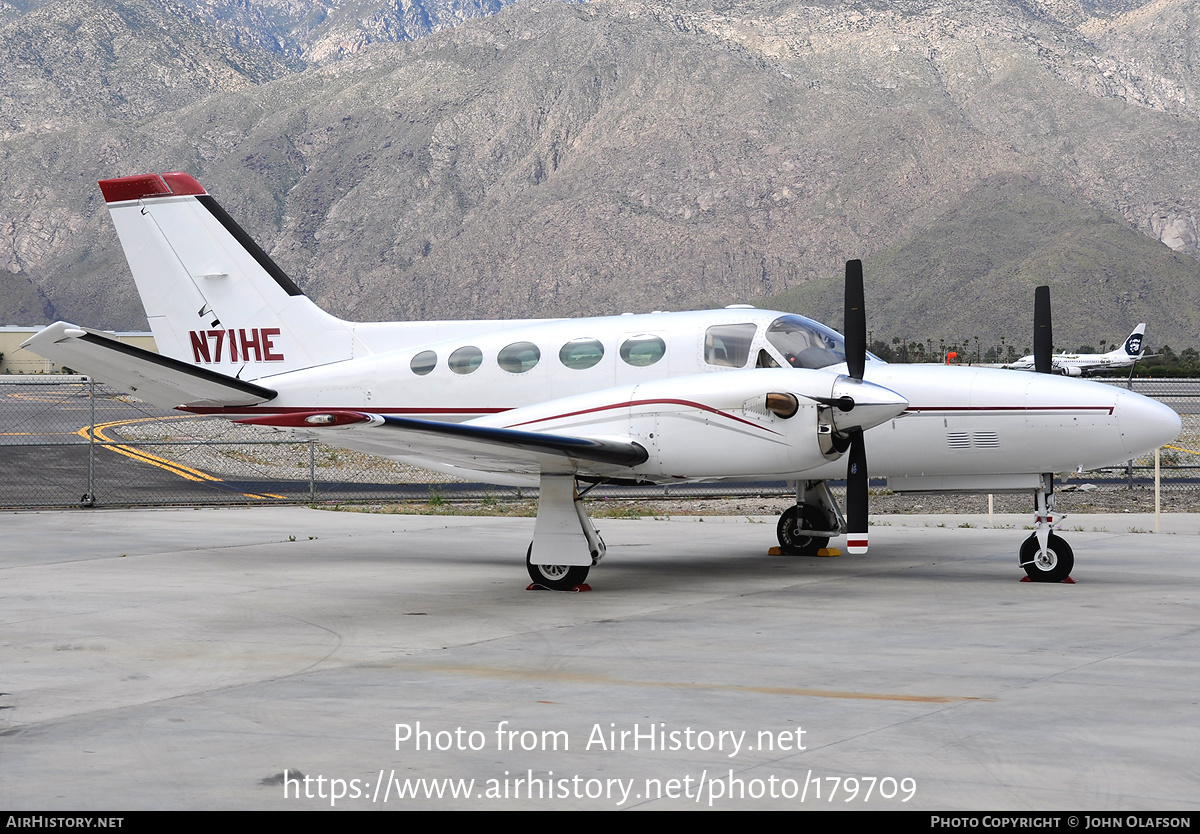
point(1145, 424)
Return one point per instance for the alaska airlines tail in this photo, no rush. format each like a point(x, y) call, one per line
point(1135, 344)
point(214, 298)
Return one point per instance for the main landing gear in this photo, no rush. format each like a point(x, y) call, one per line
point(806, 527)
point(555, 577)
point(1046, 556)
point(565, 542)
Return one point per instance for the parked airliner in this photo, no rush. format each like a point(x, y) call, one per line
point(736, 393)
point(1087, 364)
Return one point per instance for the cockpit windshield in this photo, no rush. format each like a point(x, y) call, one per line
point(805, 343)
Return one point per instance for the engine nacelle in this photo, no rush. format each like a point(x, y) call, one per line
point(768, 423)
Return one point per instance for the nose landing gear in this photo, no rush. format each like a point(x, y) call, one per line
point(1054, 564)
point(1046, 556)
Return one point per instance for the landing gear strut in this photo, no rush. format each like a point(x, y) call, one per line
point(565, 542)
point(816, 511)
point(1046, 556)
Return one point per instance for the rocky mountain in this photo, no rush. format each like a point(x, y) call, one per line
point(987, 252)
point(555, 159)
point(67, 61)
point(70, 63)
point(321, 30)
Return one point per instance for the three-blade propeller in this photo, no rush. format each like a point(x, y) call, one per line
point(856, 458)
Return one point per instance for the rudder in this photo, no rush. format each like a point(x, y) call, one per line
point(213, 297)
point(1134, 345)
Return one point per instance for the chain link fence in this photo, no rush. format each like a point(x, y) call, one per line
point(67, 441)
point(1179, 462)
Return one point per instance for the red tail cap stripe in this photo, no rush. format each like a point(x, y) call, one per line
point(182, 183)
point(149, 185)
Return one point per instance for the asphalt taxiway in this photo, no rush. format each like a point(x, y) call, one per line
point(286, 658)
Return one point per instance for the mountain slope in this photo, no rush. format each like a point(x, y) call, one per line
point(561, 159)
point(973, 273)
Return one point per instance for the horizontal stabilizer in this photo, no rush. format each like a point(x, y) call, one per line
point(481, 448)
point(156, 379)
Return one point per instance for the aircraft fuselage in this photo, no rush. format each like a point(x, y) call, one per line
point(965, 424)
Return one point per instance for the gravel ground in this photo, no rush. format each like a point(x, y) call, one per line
point(1106, 500)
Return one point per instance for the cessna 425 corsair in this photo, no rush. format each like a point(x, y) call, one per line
point(737, 393)
point(1085, 364)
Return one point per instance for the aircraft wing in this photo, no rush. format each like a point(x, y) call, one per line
point(156, 379)
point(464, 446)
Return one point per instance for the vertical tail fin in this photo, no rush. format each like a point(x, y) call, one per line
point(214, 298)
point(1135, 344)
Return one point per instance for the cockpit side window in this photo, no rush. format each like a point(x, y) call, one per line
point(806, 344)
point(765, 360)
point(728, 345)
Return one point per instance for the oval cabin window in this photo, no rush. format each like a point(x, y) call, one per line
point(518, 357)
point(643, 351)
point(423, 362)
point(581, 354)
point(465, 360)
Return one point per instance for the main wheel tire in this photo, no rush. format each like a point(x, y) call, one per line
point(803, 517)
point(555, 577)
point(1055, 566)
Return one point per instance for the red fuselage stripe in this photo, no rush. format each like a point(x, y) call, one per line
point(914, 409)
point(633, 403)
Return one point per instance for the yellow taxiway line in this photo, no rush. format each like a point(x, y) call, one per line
point(174, 467)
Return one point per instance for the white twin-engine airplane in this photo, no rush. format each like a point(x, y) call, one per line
point(1085, 364)
point(734, 394)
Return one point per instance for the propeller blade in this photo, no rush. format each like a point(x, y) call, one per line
point(1043, 333)
point(856, 320)
point(856, 494)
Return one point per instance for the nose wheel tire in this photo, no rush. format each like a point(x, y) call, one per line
point(796, 518)
point(1055, 566)
point(555, 577)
